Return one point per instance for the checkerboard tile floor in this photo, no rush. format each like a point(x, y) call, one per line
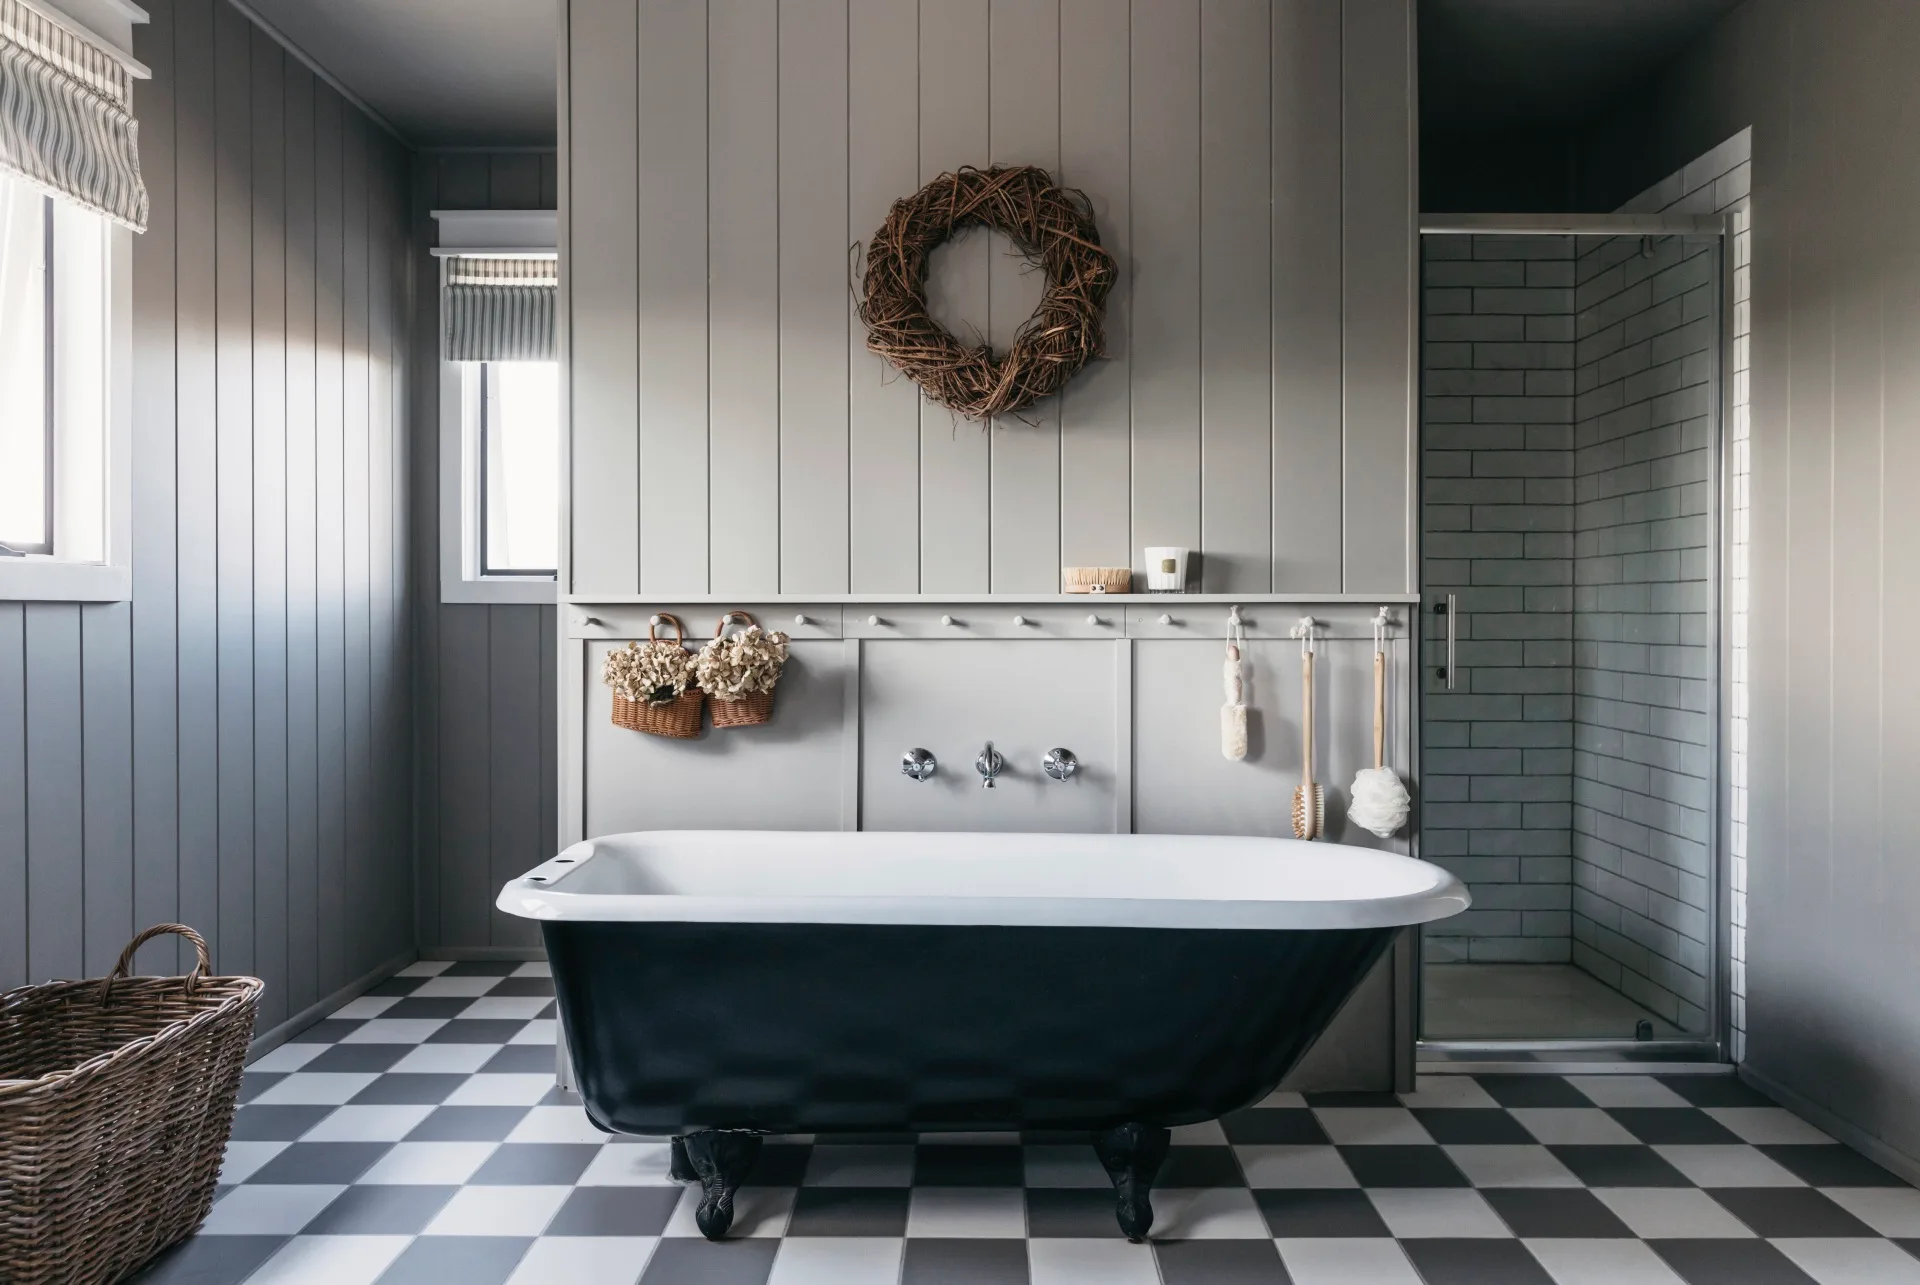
point(415, 1138)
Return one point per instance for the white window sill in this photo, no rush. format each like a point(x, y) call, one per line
point(34, 579)
point(500, 589)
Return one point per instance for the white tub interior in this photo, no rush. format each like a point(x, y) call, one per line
point(967, 878)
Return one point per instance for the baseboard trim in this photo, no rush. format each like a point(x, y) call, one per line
point(484, 954)
point(1901, 1164)
point(267, 1041)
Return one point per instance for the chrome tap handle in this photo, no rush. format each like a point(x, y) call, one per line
point(1059, 763)
point(918, 764)
point(989, 765)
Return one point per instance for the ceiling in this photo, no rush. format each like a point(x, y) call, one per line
point(1492, 65)
point(444, 73)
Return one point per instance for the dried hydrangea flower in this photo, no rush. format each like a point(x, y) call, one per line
point(733, 668)
point(657, 672)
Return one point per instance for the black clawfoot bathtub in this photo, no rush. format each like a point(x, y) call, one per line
point(716, 986)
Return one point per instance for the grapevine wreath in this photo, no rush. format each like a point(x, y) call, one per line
point(1052, 225)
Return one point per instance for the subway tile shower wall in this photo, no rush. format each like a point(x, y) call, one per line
point(1498, 418)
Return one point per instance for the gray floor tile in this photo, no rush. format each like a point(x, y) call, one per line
point(1357, 1098)
point(359, 1057)
point(1532, 1091)
point(409, 1089)
point(1472, 1126)
point(329, 1031)
point(779, 1165)
point(1619, 1166)
point(1821, 1165)
point(683, 1260)
point(521, 1059)
point(319, 1162)
point(210, 1260)
point(1395, 1166)
point(1315, 1212)
point(1200, 1167)
point(1219, 1262)
point(477, 1030)
point(468, 1260)
point(430, 1006)
point(468, 1124)
point(964, 1262)
point(850, 1211)
point(1071, 1211)
point(1274, 1126)
point(1673, 1126)
point(1475, 1262)
point(480, 968)
point(615, 1211)
point(276, 1123)
point(523, 988)
point(535, 1164)
point(1730, 1262)
point(1786, 1212)
point(967, 1165)
point(380, 1211)
point(1716, 1090)
point(1562, 1213)
point(396, 986)
point(254, 1083)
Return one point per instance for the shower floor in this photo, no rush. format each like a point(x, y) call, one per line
point(1529, 1001)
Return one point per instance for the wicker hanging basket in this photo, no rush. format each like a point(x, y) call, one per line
point(748, 710)
point(678, 718)
point(116, 1099)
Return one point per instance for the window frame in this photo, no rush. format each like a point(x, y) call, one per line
point(49, 577)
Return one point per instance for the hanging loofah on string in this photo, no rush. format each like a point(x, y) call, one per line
point(1233, 714)
point(1379, 801)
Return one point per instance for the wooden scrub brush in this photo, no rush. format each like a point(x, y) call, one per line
point(1309, 800)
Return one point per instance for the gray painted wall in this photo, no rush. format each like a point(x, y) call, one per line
point(486, 770)
point(1251, 167)
point(230, 749)
point(1832, 887)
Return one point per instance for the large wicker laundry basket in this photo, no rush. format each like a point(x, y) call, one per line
point(116, 1098)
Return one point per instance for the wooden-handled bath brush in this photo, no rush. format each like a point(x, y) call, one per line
point(1379, 801)
point(1309, 800)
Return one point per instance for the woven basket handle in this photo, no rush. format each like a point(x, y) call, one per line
point(201, 967)
point(679, 634)
point(747, 616)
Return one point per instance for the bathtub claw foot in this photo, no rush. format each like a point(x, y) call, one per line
point(719, 1160)
point(1132, 1155)
point(679, 1168)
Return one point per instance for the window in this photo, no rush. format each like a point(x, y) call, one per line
point(58, 349)
point(520, 474)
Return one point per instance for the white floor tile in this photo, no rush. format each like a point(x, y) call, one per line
point(1291, 1165)
point(1415, 1212)
point(1378, 1126)
point(1573, 1126)
point(1282, 1100)
point(330, 1260)
point(268, 1209)
point(1765, 1126)
point(364, 1007)
point(517, 1008)
point(455, 987)
point(394, 1030)
point(759, 1213)
point(968, 1212)
point(498, 1211)
point(1727, 1166)
point(1083, 1262)
point(1891, 1211)
point(447, 1059)
point(1602, 1262)
point(1852, 1262)
point(584, 1260)
point(844, 1165)
point(1064, 1165)
point(425, 968)
point(1514, 1165)
point(243, 1160)
point(837, 1260)
point(541, 1031)
point(629, 1164)
point(1678, 1213)
point(556, 1124)
point(501, 1090)
point(316, 1088)
point(1626, 1091)
point(288, 1057)
point(1207, 1213)
point(534, 968)
point(368, 1124)
point(1447, 1091)
point(1207, 1133)
point(1346, 1262)
point(430, 1164)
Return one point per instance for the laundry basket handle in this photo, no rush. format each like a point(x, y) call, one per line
point(201, 967)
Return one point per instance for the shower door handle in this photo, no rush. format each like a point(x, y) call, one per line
point(1450, 609)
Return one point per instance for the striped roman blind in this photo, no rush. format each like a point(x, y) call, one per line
point(499, 308)
point(66, 116)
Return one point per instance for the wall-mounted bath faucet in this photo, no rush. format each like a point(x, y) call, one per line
point(989, 765)
point(1059, 763)
point(918, 764)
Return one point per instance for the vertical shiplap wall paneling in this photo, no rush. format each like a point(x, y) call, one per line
point(1236, 300)
point(742, 251)
point(14, 926)
point(955, 126)
point(196, 526)
point(1096, 409)
point(1166, 273)
point(515, 835)
point(424, 497)
point(672, 281)
point(1023, 77)
point(54, 802)
point(303, 759)
point(1378, 229)
point(354, 522)
point(389, 634)
point(329, 505)
point(106, 702)
point(883, 407)
point(270, 483)
point(156, 792)
point(813, 309)
point(602, 40)
point(465, 781)
point(1305, 85)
